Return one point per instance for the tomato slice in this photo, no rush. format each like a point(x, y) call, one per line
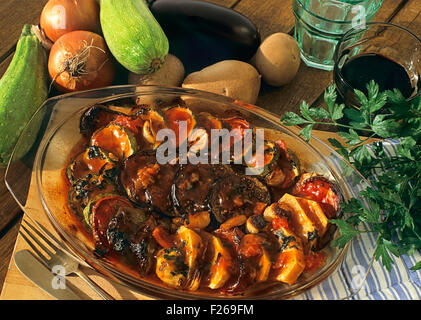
point(102, 212)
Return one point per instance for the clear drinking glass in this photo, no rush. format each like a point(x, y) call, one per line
point(377, 38)
point(320, 24)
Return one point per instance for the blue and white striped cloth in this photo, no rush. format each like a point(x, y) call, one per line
point(380, 284)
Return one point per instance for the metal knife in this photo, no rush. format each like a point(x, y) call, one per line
point(40, 275)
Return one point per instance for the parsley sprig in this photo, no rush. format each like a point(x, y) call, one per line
point(394, 200)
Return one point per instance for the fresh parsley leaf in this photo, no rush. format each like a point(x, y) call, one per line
point(347, 232)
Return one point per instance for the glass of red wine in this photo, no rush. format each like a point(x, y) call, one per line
point(386, 53)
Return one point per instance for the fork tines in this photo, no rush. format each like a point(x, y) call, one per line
point(37, 241)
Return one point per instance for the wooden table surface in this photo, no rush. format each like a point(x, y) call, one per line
point(270, 16)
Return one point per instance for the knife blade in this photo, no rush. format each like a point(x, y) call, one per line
point(41, 276)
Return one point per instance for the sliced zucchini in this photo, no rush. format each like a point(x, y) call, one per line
point(264, 159)
point(182, 121)
point(237, 128)
point(115, 139)
point(99, 116)
point(129, 232)
point(93, 161)
point(86, 189)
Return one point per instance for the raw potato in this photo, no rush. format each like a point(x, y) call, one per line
point(278, 59)
point(235, 79)
point(170, 74)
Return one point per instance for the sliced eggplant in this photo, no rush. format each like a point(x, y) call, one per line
point(129, 232)
point(191, 189)
point(115, 139)
point(182, 121)
point(92, 161)
point(238, 195)
point(149, 183)
point(99, 116)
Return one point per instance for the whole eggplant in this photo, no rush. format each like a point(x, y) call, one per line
point(202, 33)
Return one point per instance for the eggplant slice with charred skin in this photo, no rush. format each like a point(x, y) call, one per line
point(99, 116)
point(191, 188)
point(129, 232)
point(149, 183)
point(236, 195)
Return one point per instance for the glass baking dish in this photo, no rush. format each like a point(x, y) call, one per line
point(38, 174)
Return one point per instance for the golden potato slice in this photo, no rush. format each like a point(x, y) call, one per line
point(288, 266)
point(301, 223)
point(220, 260)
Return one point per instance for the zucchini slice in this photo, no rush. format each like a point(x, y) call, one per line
point(182, 121)
point(147, 182)
point(93, 161)
point(86, 189)
point(270, 155)
point(115, 139)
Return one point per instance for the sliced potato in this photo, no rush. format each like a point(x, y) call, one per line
point(192, 245)
point(264, 267)
point(301, 223)
point(289, 265)
point(169, 269)
point(220, 260)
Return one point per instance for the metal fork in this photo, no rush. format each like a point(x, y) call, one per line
point(57, 257)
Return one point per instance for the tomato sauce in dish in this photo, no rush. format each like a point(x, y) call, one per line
point(205, 228)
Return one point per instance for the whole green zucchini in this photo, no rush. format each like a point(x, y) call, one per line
point(133, 35)
point(23, 88)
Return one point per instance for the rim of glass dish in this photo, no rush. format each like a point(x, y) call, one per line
point(370, 16)
point(142, 285)
point(359, 29)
